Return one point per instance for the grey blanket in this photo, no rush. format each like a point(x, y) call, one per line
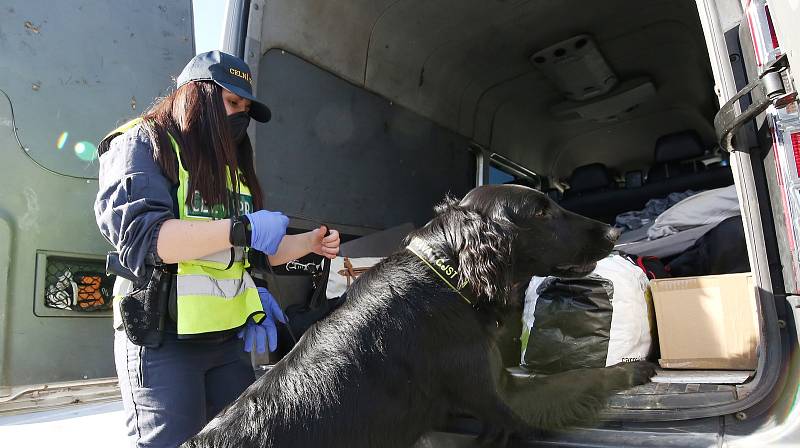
point(635, 219)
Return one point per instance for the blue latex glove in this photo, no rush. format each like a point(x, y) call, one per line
point(267, 230)
point(259, 334)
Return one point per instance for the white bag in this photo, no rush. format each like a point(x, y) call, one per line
point(630, 338)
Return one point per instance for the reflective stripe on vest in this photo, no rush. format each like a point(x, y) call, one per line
point(214, 293)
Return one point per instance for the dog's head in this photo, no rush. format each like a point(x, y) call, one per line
point(503, 235)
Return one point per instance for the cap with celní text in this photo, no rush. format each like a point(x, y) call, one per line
point(230, 73)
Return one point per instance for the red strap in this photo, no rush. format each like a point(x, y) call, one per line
point(640, 263)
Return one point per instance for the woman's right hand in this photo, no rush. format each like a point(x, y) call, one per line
point(267, 230)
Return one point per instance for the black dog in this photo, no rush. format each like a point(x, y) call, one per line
point(406, 349)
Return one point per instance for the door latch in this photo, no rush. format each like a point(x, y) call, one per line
point(773, 92)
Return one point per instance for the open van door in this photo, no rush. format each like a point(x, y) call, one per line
point(762, 58)
point(754, 50)
point(71, 71)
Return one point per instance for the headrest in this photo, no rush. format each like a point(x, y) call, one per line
point(589, 177)
point(633, 179)
point(678, 146)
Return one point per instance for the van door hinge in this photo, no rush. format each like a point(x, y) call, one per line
point(773, 92)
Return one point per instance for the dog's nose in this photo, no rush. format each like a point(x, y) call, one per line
point(612, 234)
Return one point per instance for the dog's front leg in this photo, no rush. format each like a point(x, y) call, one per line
point(477, 389)
point(570, 398)
point(524, 406)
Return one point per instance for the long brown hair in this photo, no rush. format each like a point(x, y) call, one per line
point(194, 115)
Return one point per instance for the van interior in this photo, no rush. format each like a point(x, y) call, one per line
point(602, 105)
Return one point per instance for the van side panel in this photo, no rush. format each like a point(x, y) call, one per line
point(71, 71)
point(47, 212)
point(334, 152)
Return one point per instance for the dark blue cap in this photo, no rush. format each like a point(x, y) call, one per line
point(230, 73)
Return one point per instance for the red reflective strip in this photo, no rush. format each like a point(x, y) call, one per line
point(796, 150)
point(771, 28)
point(753, 35)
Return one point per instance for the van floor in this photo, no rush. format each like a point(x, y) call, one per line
point(673, 396)
point(672, 389)
point(656, 395)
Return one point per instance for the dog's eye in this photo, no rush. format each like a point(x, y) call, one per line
point(540, 213)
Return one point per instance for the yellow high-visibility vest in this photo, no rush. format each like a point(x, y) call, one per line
point(214, 293)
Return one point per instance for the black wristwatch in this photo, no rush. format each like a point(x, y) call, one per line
point(241, 232)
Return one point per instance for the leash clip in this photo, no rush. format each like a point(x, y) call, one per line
point(295, 265)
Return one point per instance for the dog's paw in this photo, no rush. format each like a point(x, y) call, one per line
point(633, 373)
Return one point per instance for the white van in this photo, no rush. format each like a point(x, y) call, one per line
point(381, 108)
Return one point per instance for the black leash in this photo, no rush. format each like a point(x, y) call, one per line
point(316, 299)
point(277, 299)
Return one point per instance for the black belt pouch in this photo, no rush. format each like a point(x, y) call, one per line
point(144, 309)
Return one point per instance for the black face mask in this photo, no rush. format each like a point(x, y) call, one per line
point(238, 123)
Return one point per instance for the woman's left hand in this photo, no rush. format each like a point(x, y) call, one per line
point(327, 246)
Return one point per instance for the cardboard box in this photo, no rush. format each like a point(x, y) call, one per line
point(708, 322)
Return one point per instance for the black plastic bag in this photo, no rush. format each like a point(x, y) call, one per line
point(722, 250)
point(572, 325)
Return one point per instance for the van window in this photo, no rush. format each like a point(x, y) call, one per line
point(498, 175)
point(69, 83)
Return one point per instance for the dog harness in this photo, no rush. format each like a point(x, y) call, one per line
point(443, 266)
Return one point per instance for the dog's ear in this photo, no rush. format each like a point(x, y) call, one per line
point(484, 256)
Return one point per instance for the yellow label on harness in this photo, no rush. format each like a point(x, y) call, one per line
point(439, 265)
point(446, 268)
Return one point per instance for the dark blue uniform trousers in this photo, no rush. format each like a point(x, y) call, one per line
point(170, 393)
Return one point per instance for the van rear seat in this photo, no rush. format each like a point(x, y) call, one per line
point(678, 168)
point(674, 154)
point(668, 175)
point(592, 190)
point(589, 179)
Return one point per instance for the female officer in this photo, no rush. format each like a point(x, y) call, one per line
point(178, 187)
